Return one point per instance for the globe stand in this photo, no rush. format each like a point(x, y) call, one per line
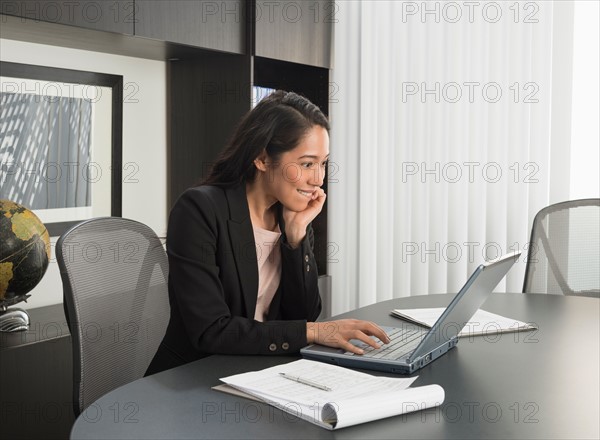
point(13, 320)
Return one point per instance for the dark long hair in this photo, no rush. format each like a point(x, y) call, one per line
point(276, 125)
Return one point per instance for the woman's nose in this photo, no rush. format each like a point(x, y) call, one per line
point(317, 176)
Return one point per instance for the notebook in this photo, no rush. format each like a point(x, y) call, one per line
point(411, 348)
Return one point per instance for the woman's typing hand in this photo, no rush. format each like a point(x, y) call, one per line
point(339, 333)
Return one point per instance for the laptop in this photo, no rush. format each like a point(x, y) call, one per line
point(411, 347)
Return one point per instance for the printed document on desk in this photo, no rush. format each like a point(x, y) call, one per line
point(482, 323)
point(351, 397)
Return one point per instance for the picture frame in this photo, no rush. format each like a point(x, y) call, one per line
point(61, 137)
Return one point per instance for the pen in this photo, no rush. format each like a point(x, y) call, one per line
point(305, 382)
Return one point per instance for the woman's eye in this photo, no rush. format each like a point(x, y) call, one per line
point(307, 164)
point(325, 165)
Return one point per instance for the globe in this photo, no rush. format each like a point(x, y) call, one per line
point(24, 251)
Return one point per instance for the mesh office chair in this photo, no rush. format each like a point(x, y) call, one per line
point(564, 250)
point(114, 274)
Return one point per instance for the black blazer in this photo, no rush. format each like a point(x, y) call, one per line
point(213, 283)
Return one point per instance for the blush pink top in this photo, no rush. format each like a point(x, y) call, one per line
point(268, 255)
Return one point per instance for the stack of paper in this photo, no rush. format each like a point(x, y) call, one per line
point(482, 323)
point(338, 397)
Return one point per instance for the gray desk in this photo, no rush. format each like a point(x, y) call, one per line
point(542, 384)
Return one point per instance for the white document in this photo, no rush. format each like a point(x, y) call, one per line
point(482, 323)
point(353, 398)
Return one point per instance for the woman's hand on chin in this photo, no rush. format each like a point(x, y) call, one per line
point(296, 222)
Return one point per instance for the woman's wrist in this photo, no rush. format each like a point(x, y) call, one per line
point(295, 236)
point(311, 332)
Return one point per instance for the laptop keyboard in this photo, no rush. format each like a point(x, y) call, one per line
point(402, 342)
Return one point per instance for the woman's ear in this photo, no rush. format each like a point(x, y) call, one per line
point(260, 162)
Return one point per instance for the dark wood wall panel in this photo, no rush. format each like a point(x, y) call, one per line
point(110, 16)
point(296, 31)
point(208, 24)
point(208, 96)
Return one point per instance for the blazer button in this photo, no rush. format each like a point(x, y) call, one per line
point(306, 258)
point(307, 268)
point(272, 347)
point(285, 346)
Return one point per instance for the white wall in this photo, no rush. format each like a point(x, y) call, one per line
point(144, 137)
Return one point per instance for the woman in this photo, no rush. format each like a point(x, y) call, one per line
point(242, 274)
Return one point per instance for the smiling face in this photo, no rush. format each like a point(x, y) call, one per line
point(296, 175)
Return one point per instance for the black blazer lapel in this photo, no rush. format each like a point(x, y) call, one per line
point(243, 246)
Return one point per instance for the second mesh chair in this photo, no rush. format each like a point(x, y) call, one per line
point(564, 251)
point(114, 274)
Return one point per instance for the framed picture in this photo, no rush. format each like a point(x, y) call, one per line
point(61, 143)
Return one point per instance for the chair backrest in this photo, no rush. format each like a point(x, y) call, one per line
point(114, 274)
point(564, 250)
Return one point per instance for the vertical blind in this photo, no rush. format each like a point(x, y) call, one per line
point(440, 145)
point(43, 140)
